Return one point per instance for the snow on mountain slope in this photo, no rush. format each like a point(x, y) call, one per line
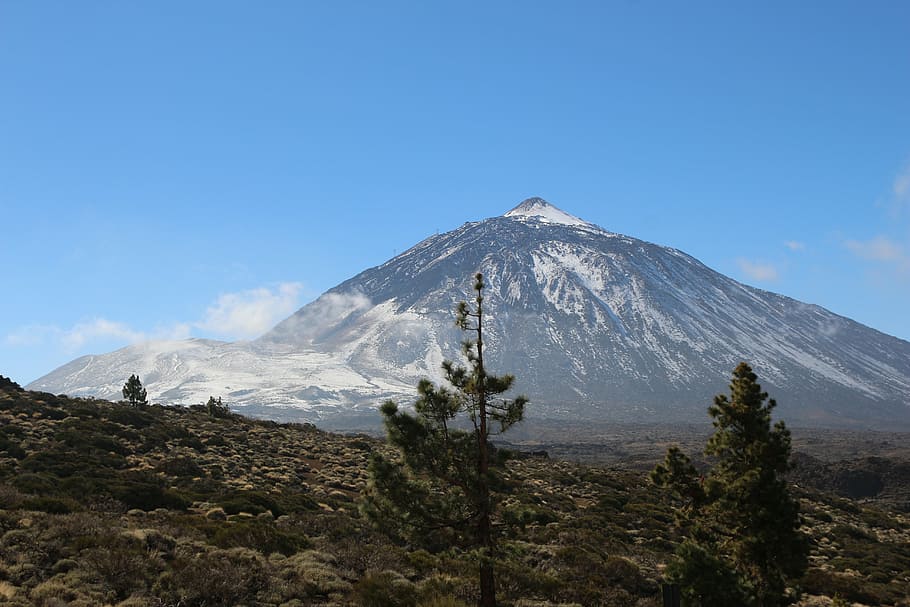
point(541, 210)
point(243, 374)
point(595, 325)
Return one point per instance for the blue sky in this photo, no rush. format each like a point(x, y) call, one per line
point(173, 169)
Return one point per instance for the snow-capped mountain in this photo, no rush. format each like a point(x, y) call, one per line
point(594, 325)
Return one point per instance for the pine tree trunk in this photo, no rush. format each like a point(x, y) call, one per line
point(487, 587)
point(487, 583)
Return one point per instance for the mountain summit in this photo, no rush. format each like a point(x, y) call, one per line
point(538, 208)
point(594, 325)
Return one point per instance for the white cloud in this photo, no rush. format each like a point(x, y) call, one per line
point(233, 315)
point(180, 330)
point(882, 250)
point(89, 331)
point(890, 254)
point(879, 248)
point(795, 245)
point(250, 313)
point(96, 329)
point(759, 271)
point(324, 314)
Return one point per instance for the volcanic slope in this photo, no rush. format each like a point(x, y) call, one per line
point(595, 325)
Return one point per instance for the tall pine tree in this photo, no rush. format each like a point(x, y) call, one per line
point(440, 491)
point(744, 544)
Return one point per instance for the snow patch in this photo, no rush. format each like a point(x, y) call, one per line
point(540, 209)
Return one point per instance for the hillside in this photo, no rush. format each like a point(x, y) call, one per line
point(106, 504)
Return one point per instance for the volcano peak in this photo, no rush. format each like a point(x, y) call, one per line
point(540, 209)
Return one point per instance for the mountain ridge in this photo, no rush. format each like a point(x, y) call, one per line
point(594, 325)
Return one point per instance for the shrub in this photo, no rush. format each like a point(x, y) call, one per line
point(386, 589)
point(295, 502)
point(445, 590)
point(51, 505)
point(180, 466)
point(253, 502)
point(216, 440)
point(818, 581)
point(824, 517)
point(11, 447)
point(133, 417)
point(839, 601)
point(86, 437)
point(59, 460)
point(625, 574)
point(259, 535)
point(877, 518)
point(144, 490)
point(154, 542)
point(121, 565)
point(361, 554)
point(54, 592)
point(36, 484)
point(311, 574)
point(517, 579)
point(10, 497)
point(219, 578)
point(522, 516)
point(843, 532)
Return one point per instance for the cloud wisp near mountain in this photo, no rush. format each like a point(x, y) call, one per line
point(595, 325)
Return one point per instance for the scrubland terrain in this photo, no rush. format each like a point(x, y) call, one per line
point(106, 504)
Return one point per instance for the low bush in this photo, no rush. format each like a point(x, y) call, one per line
point(36, 484)
point(826, 583)
point(145, 491)
point(122, 565)
point(262, 536)
point(216, 578)
point(180, 466)
point(11, 447)
point(51, 505)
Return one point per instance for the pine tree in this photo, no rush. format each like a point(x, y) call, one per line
point(440, 491)
point(744, 542)
point(134, 392)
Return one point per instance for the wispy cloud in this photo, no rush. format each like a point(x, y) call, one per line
point(888, 254)
point(795, 245)
point(90, 331)
point(233, 315)
point(758, 271)
point(250, 313)
point(325, 313)
point(882, 250)
point(97, 329)
point(879, 248)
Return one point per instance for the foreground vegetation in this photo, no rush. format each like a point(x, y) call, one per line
point(104, 503)
point(744, 545)
point(443, 490)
